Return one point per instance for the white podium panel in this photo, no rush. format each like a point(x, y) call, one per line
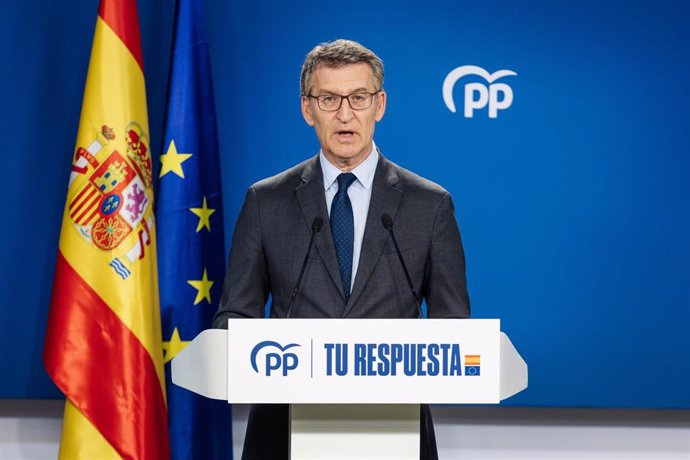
point(353, 361)
point(354, 431)
point(202, 367)
point(363, 361)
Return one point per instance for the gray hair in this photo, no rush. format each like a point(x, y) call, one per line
point(337, 54)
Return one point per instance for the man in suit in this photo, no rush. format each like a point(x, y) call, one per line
point(354, 271)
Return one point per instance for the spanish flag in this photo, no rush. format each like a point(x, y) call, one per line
point(103, 343)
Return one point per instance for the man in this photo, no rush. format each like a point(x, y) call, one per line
point(354, 271)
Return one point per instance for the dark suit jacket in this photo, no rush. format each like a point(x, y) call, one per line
point(271, 239)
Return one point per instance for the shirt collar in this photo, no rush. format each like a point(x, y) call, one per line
point(364, 172)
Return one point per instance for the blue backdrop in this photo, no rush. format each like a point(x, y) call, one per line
point(573, 202)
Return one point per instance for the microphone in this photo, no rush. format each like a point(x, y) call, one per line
point(387, 222)
point(316, 225)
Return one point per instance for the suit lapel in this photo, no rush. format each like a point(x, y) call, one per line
point(385, 198)
point(312, 201)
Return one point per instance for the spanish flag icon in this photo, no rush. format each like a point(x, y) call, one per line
point(472, 364)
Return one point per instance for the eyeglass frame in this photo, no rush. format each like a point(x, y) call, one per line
point(318, 104)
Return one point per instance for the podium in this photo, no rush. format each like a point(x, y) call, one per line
point(354, 385)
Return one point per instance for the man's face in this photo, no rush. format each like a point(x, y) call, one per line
point(346, 135)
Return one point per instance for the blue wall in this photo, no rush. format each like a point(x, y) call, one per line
point(574, 203)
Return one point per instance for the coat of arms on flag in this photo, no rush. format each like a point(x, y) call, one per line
point(108, 197)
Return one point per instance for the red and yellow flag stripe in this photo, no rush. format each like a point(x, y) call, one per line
point(472, 360)
point(103, 344)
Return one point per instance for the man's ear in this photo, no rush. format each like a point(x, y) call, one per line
point(306, 111)
point(381, 105)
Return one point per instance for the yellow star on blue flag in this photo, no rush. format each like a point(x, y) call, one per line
point(204, 215)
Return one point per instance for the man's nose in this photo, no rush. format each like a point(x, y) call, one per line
point(345, 112)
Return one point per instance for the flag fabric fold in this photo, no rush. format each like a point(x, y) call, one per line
point(103, 340)
point(190, 220)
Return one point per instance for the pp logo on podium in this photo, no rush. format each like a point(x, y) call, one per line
point(497, 96)
point(277, 360)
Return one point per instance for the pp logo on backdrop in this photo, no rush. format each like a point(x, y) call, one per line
point(497, 96)
point(277, 360)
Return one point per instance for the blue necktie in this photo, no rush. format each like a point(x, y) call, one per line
point(343, 228)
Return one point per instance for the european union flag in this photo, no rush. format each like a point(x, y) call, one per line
point(191, 253)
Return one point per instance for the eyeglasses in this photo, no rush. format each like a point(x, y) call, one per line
point(358, 101)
